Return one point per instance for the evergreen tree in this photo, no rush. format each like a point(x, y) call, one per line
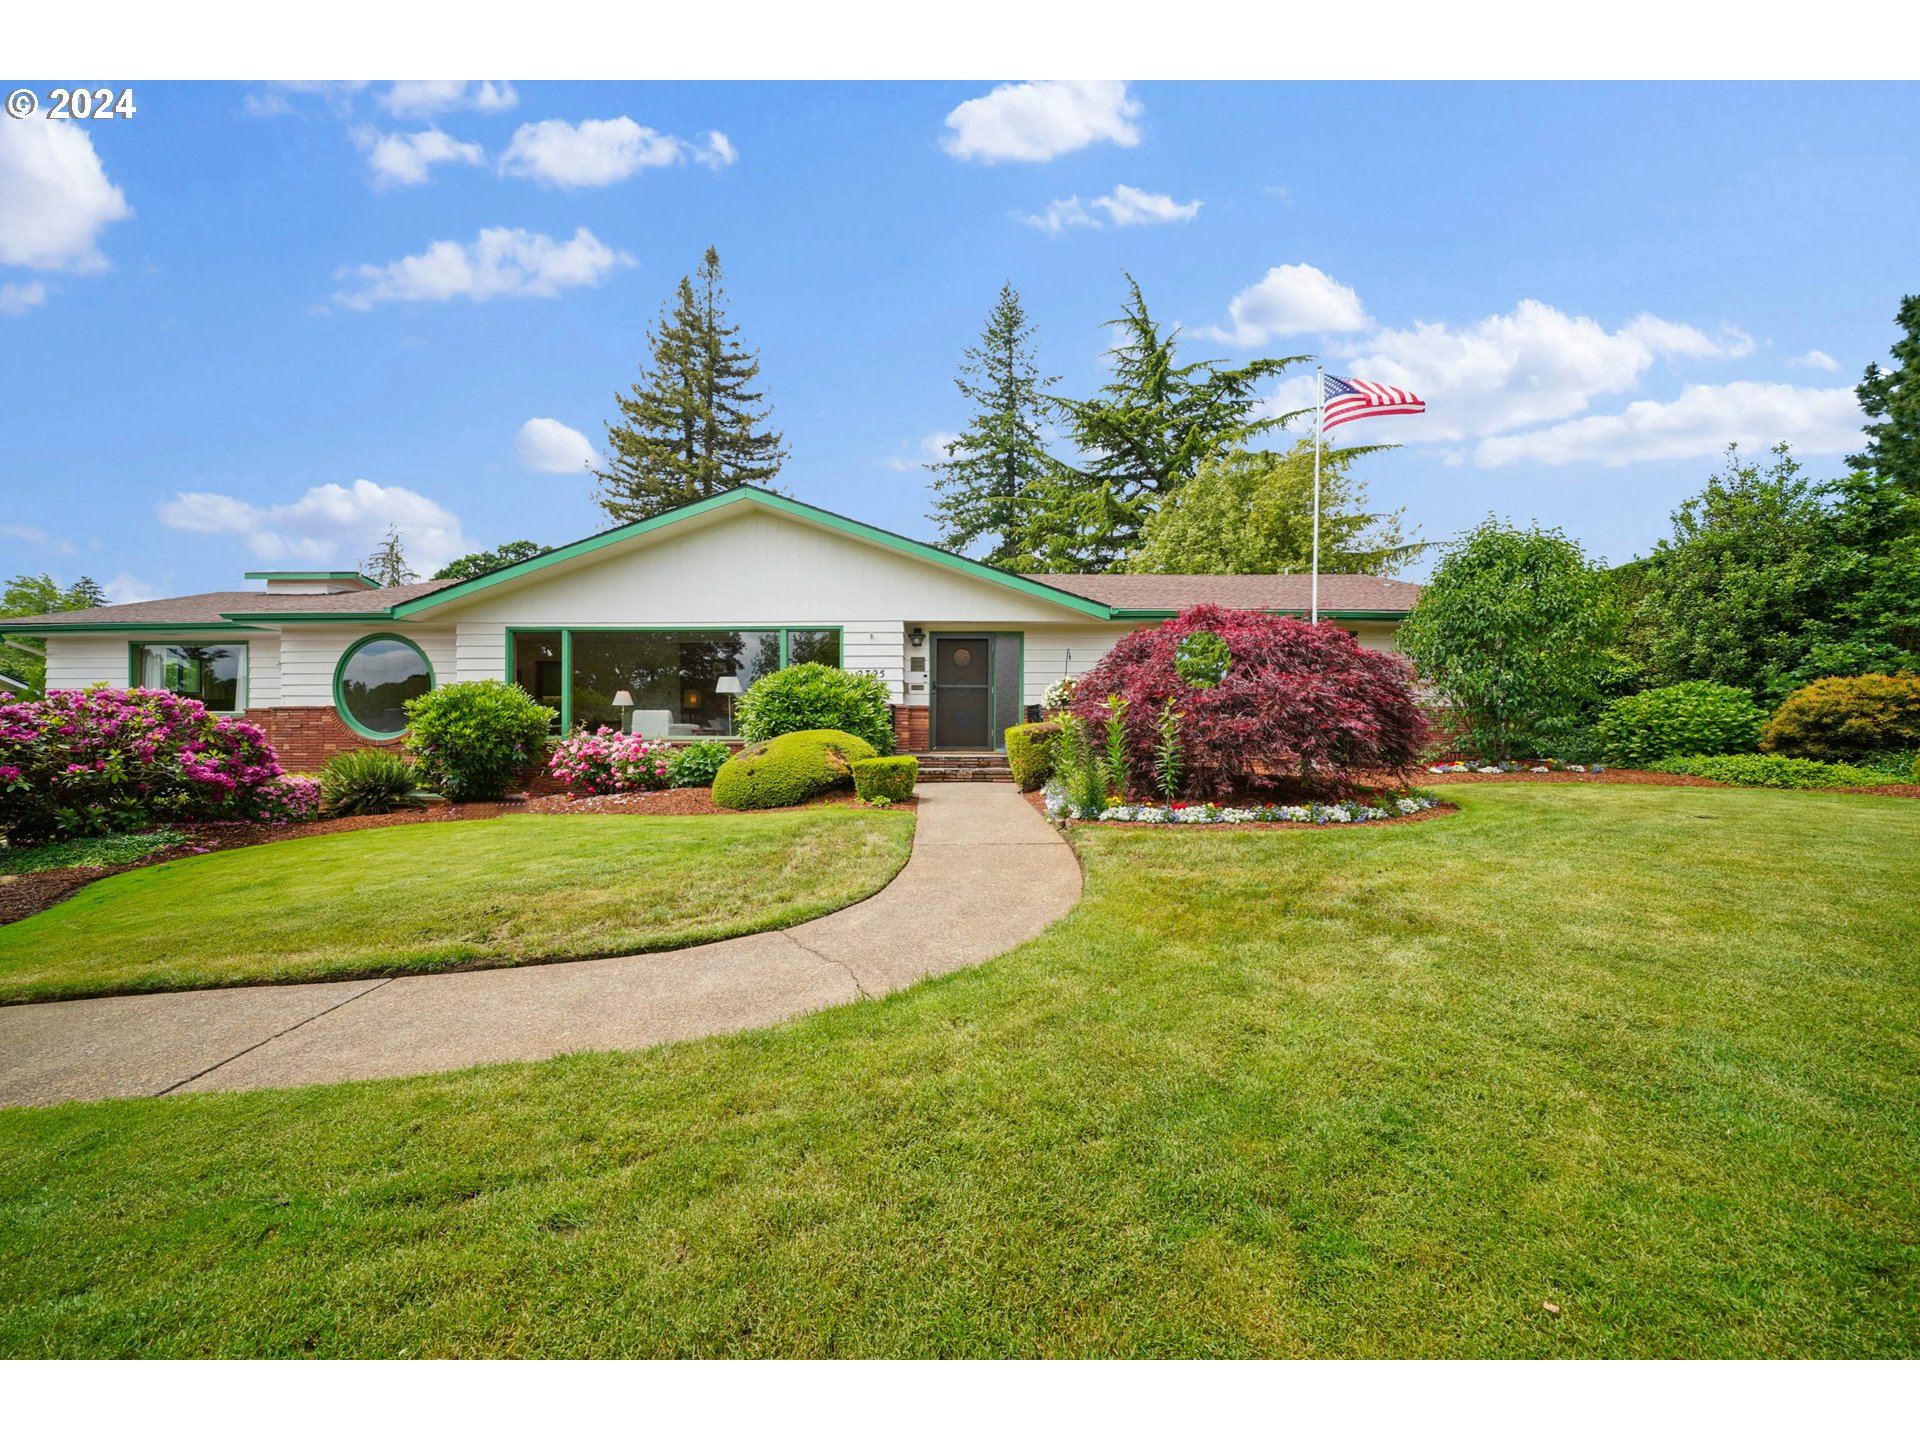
point(26, 659)
point(690, 427)
point(388, 565)
point(986, 482)
point(1891, 399)
point(1143, 436)
point(1250, 512)
point(483, 561)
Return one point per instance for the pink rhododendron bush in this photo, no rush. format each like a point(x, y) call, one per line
point(1226, 703)
point(100, 761)
point(605, 762)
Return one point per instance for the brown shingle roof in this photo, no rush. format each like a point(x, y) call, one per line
point(1239, 592)
point(208, 609)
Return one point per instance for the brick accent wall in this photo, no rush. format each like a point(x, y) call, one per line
point(305, 737)
point(911, 725)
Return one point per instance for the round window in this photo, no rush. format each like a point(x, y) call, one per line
point(375, 680)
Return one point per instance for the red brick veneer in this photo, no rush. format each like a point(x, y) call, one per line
point(910, 728)
point(305, 737)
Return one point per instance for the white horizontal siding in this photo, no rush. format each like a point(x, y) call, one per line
point(263, 671)
point(1055, 651)
point(310, 654)
point(480, 650)
point(77, 661)
point(879, 646)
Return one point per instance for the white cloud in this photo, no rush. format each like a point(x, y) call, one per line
point(1124, 206)
point(1816, 360)
point(1042, 119)
point(603, 152)
point(18, 299)
point(1291, 300)
point(54, 197)
point(551, 448)
point(276, 99)
point(1704, 420)
point(405, 159)
point(32, 534)
point(1530, 366)
point(498, 262)
point(930, 448)
point(435, 97)
point(330, 524)
point(124, 589)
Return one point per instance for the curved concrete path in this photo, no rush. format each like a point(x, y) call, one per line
point(986, 873)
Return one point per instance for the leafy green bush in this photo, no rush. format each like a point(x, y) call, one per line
point(1030, 752)
point(1847, 718)
point(788, 769)
point(696, 764)
point(1697, 718)
point(1774, 772)
point(368, 782)
point(95, 851)
point(470, 739)
point(817, 697)
point(886, 777)
point(1201, 659)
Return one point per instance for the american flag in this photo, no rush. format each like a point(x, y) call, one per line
point(1343, 400)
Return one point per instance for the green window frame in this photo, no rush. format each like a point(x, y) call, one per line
point(245, 677)
point(567, 632)
point(339, 678)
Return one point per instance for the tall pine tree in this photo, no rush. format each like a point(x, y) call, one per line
point(1143, 436)
point(987, 481)
point(691, 426)
point(1891, 399)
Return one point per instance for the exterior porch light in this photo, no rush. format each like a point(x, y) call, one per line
point(916, 637)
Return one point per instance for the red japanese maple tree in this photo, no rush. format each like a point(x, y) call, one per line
point(1295, 705)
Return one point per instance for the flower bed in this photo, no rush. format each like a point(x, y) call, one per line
point(605, 762)
point(1339, 812)
point(1511, 767)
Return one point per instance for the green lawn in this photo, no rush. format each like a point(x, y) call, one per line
point(413, 898)
point(1647, 1054)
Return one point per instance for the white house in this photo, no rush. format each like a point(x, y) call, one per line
point(672, 617)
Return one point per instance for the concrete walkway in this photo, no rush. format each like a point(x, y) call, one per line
point(986, 873)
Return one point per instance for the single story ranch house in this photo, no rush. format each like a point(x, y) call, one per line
point(658, 627)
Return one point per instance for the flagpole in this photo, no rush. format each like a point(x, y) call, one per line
point(1319, 424)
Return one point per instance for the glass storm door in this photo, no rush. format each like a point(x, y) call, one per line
point(962, 692)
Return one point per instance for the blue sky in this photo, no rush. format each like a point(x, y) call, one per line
point(219, 355)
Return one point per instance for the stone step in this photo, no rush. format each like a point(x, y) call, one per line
point(948, 777)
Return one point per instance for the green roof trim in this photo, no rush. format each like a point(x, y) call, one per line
point(367, 580)
point(747, 494)
point(1325, 613)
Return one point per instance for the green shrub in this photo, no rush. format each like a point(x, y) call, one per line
point(470, 739)
point(1697, 718)
point(817, 697)
point(886, 777)
point(1774, 772)
point(1847, 717)
point(788, 769)
point(367, 782)
point(1030, 752)
point(696, 764)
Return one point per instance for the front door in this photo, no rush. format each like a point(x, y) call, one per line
point(962, 692)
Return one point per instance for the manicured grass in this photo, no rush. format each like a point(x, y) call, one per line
point(99, 850)
point(415, 898)
point(1647, 1054)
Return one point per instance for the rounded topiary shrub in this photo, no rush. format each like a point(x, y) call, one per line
point(470, 740)
point(885, 777)
point(817, 697)
point(97, 761)
point(1696, 718)
point(367, 782)
point(1293, 703)
point(789, 769)
point(1847, 717)
point(1030, 752)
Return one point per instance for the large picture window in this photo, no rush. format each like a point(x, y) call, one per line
point(374, 681)
point(677, 683)
point(215, 675)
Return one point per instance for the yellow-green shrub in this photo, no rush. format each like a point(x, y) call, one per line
point(1030, 752)
point(789, 769)
point(1847, 717)
point(890, 777)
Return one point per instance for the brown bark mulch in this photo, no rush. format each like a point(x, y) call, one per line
point(24, 895)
